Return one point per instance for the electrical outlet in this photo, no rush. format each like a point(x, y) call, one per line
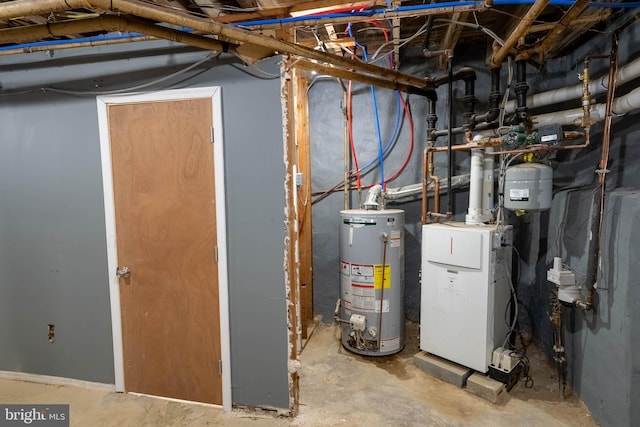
point(52, 333)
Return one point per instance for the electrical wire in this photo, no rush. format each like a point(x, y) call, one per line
point(407, 110)
point(266, 75)
point(376, 113)
point(118, 91)
point(350, 129)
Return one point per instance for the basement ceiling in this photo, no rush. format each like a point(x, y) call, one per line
point(535, 31)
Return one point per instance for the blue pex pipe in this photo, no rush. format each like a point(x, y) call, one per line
point(371, 12)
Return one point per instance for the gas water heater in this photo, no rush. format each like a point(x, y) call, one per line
point(372, 281)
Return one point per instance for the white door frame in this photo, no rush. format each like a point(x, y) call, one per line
point(112, 256)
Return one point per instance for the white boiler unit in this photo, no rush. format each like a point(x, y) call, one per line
point(465, 291)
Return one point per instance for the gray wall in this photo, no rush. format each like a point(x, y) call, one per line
point(53, 266)
point(602, 347)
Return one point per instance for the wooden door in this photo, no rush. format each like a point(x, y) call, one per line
point(164, 197)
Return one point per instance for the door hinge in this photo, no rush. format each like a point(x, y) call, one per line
point(216, 253)
point(220, 367)
point(212, 138)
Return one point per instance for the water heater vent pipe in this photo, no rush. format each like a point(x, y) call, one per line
point(371, 202)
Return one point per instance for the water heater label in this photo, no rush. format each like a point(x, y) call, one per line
point(394, 241)
point(519, 194)
point(362, 272)
point(389, 344)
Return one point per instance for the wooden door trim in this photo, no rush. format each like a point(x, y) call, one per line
point(214, 93)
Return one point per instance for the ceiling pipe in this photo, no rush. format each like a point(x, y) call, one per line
point(447, 8)
point(625, 74)
point(622, 105)
point(17, 8)
point(109, 23)
point(74, 45)
point(552, 36)
point(520, 30)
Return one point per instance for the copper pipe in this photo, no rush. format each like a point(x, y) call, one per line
point(425, 186)
point(468, 147)
point(518, 32)
point(430, 176)
point(586, 95)
point(602, 172)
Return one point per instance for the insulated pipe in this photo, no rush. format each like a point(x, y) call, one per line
point(18, 8)
point(474, 213)
point(621, 105)
point(70, 44)
point(625, 74)
point(518, 32)
point(109, 23)
point(413, 190)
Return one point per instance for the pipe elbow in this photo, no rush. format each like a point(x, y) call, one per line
point(371, 203)
point(466, 73)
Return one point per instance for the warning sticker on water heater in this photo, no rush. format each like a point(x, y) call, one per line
point(394, 242)
point(379, 276)
point(519, 194)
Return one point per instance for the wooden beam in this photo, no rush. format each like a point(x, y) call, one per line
point(395, 22)
point(561, 28)
point(305, 243)
point(534, 11)
point(350, 75)
point(291, 273)
point(232, 18)
point(210, 7)
point(578, 27)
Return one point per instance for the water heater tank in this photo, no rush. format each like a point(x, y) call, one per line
point(528, 186)
point(372, 281)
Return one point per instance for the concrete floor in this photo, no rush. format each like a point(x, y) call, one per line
point(336, 388)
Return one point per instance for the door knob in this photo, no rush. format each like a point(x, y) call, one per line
point(123, 272)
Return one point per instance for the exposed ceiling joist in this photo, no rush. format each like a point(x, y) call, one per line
point(535, 10)
point(206, 26)
point(563, 25)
